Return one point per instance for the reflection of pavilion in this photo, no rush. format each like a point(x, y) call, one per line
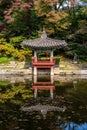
point(43, 108)
point(75, 84)
point(39, 85)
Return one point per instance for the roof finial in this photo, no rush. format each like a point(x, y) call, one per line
point(44, 35)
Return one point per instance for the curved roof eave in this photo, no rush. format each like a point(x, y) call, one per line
point(44, 43)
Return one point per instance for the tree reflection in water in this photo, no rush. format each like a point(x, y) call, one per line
point(71, 94)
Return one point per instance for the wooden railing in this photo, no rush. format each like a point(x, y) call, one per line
point(43, 62)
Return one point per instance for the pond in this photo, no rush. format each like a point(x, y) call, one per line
point(43, 103)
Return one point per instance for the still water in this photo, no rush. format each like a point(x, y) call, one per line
point(43, 103)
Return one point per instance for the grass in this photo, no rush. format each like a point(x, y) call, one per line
point(4, 83)
point(5, 59)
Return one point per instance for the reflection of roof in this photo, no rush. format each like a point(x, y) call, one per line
point(40, 107)
point(44, 43)
point(43, 108)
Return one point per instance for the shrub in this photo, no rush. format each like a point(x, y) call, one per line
point(18, 55)
point(16, 41)
point(3, 41)
point(7, 49)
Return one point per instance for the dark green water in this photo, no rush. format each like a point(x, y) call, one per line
point(71, 95)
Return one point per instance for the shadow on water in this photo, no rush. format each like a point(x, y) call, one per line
point(43, 104)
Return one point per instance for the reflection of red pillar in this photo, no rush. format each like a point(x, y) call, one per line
point(35, 93)
point(51, 93)
point(43, 87)
point(52, 79)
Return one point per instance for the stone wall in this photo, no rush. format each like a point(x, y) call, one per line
point(29, 72)
point(24, 78)
point(15, 65)
point(23, 68)
point(16, 72)
point(70, 72)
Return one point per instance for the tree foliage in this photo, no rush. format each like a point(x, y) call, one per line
point(25, 18)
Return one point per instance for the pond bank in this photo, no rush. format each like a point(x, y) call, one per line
point(16, 72)
point(29, 72)
point(26, 78)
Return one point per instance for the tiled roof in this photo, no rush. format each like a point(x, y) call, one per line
point(44, 43)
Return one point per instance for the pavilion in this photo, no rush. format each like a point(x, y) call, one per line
point(43, 44)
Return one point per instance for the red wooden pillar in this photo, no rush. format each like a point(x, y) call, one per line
point(35, 60)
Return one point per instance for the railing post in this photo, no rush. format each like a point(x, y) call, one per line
point(51, 93)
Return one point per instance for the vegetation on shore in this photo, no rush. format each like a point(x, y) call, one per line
point(24, 19)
